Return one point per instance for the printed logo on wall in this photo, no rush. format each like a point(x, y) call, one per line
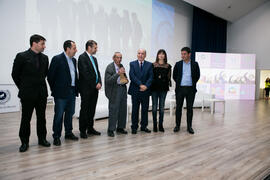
point(4, 96)
point(9, 102)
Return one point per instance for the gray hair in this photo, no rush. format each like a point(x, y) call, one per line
point(115, 54)
point(142, 50)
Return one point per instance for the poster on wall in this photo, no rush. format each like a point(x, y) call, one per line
point(9, 102)
point(226, 75)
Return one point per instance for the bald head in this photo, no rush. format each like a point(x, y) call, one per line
point(141, 54)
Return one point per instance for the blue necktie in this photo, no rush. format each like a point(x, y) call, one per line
point(93, 63)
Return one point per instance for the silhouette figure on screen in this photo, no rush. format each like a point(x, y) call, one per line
point(137, 34)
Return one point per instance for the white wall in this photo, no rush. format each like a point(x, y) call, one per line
point(119, 25)
point(251, 34)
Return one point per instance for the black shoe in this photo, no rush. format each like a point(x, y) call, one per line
point(110, 133)
point(83, 135)
point(176, 129)
point(57, 142)
point(24, 147)
point(71, 137)
point(121, 131)
point(44, 142)
point(133, 131)
point(155, 128)
point(160, 128)
point(190, 130)
point(93, 132)
point(145, 130)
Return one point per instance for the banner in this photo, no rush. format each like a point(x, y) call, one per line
point(228, 76)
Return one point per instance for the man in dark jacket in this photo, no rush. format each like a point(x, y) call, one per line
point(90, 84)
point(186, 74)
point(63, 81)
point(29, 73)
point(141, 76)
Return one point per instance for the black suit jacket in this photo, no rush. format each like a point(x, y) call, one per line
point(87, 75)
point(178, 72)
point(59, 77)
point(30, 80)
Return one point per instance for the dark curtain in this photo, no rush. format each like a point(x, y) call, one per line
point(209, 33)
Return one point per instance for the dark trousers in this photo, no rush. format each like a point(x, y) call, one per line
point(28, 105)
point(88, 109)
point(158, 98)
point(182, 93)
point(118, 109)
point(267, 92)
point(143, 99)
point(63, 106)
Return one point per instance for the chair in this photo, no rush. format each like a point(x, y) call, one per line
point(213, 102)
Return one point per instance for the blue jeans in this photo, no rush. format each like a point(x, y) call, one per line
point(62, 106)
point(158, 97)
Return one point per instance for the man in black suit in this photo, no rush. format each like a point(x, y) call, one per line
point(186, 74)
point(90, 84)
point(63, 81)
point(29, 73)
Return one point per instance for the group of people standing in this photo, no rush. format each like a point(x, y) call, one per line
point(31, 68)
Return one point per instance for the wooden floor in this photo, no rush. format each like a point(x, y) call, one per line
point(235, 145)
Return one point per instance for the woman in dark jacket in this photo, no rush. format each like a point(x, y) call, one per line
point(160, 86)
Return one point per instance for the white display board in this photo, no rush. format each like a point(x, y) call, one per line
point(9, 102)
point(228, 76)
